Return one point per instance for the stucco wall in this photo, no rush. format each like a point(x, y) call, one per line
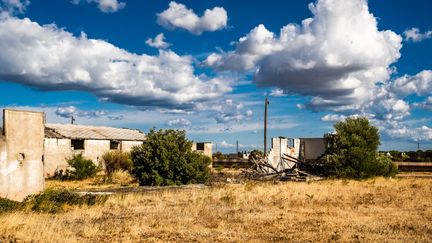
point(56, 152)
point(208, 149)
point(314, 147)
point(94, 149)
point(279, 147)
point(126, 146)
point(21, 151)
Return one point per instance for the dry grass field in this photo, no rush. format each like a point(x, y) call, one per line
point(390, 210)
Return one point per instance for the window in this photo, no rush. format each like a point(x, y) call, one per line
point(291, 142)
point(114, 145)
point(200, 146)
point(77, 144)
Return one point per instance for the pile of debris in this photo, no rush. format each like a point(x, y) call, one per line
point(290, 168)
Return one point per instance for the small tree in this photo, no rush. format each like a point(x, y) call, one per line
point(166, 158)
point(352, 151)
point(81, 168)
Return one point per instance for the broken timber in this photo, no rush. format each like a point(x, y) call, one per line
point(298, 171)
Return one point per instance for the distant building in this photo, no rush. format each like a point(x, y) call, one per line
point(62, 141)
point(205, 148)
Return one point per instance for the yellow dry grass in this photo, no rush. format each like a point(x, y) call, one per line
point(377, 210)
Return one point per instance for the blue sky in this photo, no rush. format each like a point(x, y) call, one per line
point(206, 66)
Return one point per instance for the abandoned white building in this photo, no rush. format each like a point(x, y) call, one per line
point(31, 150)
point(62, 141)
point(305, 149)
point(21, 154)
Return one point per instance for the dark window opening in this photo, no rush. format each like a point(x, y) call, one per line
point(114, 145)
point(291, 142)
point(200, 146)
point(77, 144)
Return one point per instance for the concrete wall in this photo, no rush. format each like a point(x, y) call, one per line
point(56, 150)
point(94, 149)
point(208, 149)
point(313, 147)
point(126, 146)
point(279, 147)
point(21, 152)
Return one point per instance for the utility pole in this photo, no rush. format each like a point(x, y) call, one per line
point(418, 143)
point(266, 103)
point(237, 145)
point(72, 120)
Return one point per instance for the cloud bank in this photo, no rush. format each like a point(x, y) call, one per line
point(336, 57)
point(50, 58)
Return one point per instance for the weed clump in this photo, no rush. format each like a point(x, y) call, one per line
point(51, 201)
point(117, 160)
point(121, 177)
point(7, 205)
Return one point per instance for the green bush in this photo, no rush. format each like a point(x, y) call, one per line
point(7, 205)
point(117, 160)
point(51, 201)
point(352, 151)
point(166, 158)
point(55, 201)
point(81, 168)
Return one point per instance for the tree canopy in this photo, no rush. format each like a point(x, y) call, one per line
point(352, 151)
point(166, 158)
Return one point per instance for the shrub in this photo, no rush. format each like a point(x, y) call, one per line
point(51, 201)
point(81, 168)
point(7, 205)
point(166, 158)
point(352, 151)
point(121, 177)
point(54, 201)
point(117, 160)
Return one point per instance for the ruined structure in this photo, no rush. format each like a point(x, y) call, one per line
point(21, 154)
point(304, 149)
point(62, 141)
point(205, 148)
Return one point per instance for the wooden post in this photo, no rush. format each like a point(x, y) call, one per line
point(265, 125)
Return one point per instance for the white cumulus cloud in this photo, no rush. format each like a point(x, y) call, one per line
point(50, 58)
point(106, 6)
point(179, 16)
point(72, 111)
point(179, 122)
point(420, 84)
point(336, 57)
point(415, 35)
point(158, 42)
